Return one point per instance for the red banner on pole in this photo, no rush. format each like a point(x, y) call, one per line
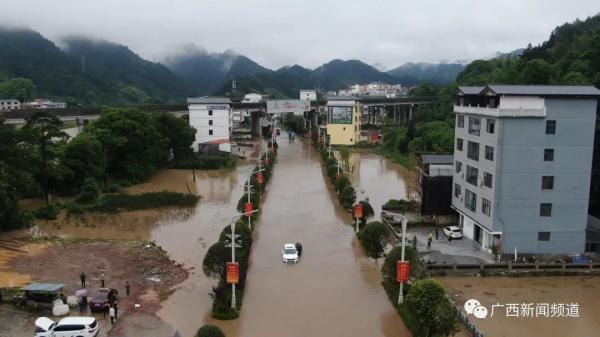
point(260, 178)
point(248, 208)
point(358, 211)
point(402, 271)
point(233, 272)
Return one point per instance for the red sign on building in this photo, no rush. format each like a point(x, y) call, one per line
point(233, 272)
point(358, 211)
point(402, 271)
point(248, 208)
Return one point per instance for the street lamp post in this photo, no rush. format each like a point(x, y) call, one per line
point(404, 224)
point(233, 247)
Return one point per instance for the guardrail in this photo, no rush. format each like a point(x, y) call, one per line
point(464, 318)
point(512, 267)
point(501, 112)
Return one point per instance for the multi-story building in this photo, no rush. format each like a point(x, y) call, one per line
point(43, 104)
point(9, 104)
point(343, 120)
point(308, 95)
point(522, 166)
point(211, 117)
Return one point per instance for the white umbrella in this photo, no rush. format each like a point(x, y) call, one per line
point(81, 292)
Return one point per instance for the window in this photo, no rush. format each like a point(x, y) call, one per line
point(459, 144)
point(490, 126)
point(340, 115)
point(550, 127)
point(472, 175)
point(470, 200)
point(486, 206)
point(489, 153)
point(543, 236)
point(460, 121)
point(210, 112)
point(548, 154)
point(458, 166)
point(487, 179)
point(473, 150)
point(545, 209)
point(210, 122)
point(457, 190)
point(474, 125)
point(210, 132)
point(547, 182)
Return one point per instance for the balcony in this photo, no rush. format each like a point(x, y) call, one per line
point(500, 112)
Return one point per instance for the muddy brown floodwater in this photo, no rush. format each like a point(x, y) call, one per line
point(581, 290)
point(378, 179)
point(335, 290)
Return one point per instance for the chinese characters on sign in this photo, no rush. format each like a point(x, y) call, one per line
point(538, 310)
point(233, 272)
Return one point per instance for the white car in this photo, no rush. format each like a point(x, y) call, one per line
point(67, 327)
point(289, 253)
point(453, 231)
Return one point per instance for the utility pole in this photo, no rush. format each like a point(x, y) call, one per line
point(404, 224)
point(233, 300)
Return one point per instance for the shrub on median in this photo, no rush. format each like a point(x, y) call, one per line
point(115, 202)
point(373, 237)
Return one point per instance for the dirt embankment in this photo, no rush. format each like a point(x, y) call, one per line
point(148, 269)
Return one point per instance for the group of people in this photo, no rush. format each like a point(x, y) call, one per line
point(430, 238)
point(112, 306)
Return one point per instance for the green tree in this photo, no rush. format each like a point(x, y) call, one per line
point(83, 158)
point(209, 331)
point(373, 237)
point(22, 89)
point(430, 309)
point(347, 196)
point(178, 134)
point(538, 72)
point(12, 216)
point(89, 192)
point(368, 211)
point(345, 156)
point(43, 131)
point(215, 259)
point(133, 146)
point(341, 183)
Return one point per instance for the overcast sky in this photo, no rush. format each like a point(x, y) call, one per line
point(308, 32)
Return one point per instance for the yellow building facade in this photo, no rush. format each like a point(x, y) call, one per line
point(343, 120)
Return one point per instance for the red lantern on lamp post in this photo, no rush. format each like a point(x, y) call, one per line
point(260, 178)
point(266, 161)
point(248, 208)
point(402, 271)
point(358, 213)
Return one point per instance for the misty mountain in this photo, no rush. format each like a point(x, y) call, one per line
point(110, 61)
point(334, 75)
point(501, 55)
point(89, 72)
point(436, 73)
point(209, 71)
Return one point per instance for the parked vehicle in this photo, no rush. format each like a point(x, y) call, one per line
point(453, 231)
point(67, 327)
point(101, 299)
point(289, 253)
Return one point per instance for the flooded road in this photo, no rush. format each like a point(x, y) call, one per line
point(334, 290)
point(378, 179)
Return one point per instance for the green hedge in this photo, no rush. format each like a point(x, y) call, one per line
point(221, 307)
point(200, 161)
point(115, 202)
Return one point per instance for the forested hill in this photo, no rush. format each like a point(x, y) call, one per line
point(570, 56)
point(86, 72)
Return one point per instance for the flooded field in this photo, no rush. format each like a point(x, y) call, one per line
point(583, 291)
point(379, 179)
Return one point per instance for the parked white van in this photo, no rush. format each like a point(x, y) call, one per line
point(67, 327)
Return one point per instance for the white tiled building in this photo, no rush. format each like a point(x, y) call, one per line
point(211, 117)
point(9, 104)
